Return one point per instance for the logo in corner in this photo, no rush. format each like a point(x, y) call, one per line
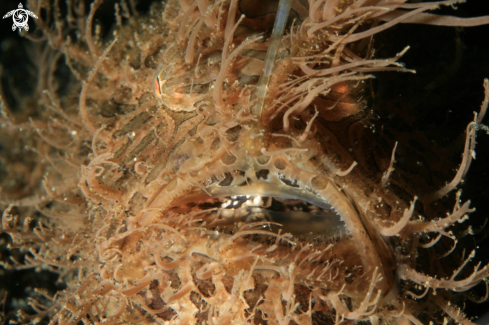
point(20, 17)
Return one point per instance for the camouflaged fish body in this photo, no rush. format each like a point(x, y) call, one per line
point(192, 209)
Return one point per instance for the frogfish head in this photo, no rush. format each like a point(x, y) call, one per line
point(216, 172)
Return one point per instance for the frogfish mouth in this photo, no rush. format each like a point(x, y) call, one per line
point(231, 184)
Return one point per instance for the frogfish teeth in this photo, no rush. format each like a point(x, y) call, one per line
point(211, 162)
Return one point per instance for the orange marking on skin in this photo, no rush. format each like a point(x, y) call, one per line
point(341, 88)
point(157, 87)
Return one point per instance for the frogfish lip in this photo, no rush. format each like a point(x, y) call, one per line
point(250, 178)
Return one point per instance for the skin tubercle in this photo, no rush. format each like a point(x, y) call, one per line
point(157, 192)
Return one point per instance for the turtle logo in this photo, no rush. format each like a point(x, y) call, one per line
point(20, 17)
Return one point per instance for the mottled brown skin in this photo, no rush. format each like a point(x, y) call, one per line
point(146, 124)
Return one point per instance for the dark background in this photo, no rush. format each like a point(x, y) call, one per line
point(445, 111)
point(432, 48)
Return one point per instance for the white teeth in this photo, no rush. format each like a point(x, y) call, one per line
point(258, 201)
point(226, 204)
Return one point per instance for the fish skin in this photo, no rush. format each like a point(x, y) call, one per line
point(148, 157)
